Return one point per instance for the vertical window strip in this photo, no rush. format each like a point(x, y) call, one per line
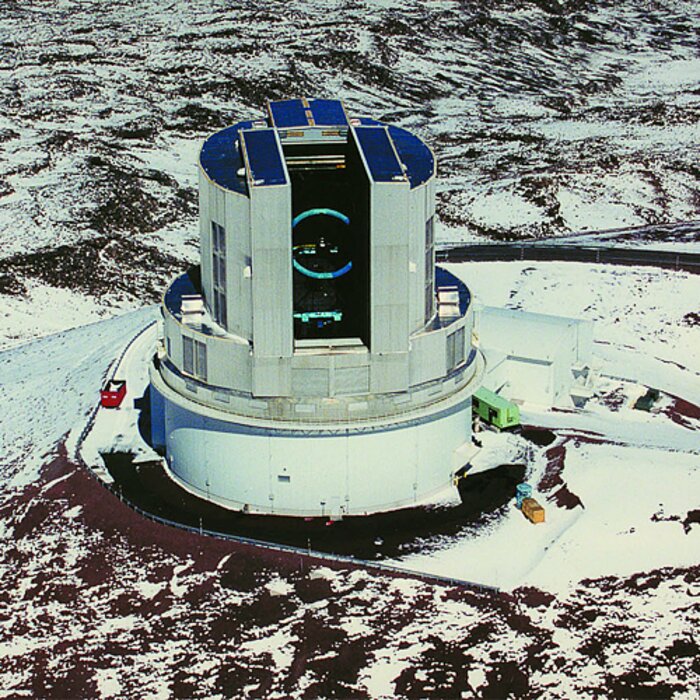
point(201, 369)
point(454, 349)
point(187, 355)
point(459, 347)
point(219, 272)
point(429, 267)
point(194, 358)
point(450, 348)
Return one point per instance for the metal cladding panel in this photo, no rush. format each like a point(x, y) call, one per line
point(310, 382)
point(379, 154)
point(207, 204)
point(229, 364)
point(272, 376)
point(328, 112)
point(351, 381)
point(221, 159)
point(272, 305)
point(389, 373)
point(428, 357)
point(389, 247)
point(271, 244)
point(413, 153)
point(416, 278)
point(288, 113)
point(389, 305)
point(264, 157)
point(392, 322)
point(430, 199)
point(238, 258)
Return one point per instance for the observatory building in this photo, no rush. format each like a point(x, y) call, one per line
point(317, 363)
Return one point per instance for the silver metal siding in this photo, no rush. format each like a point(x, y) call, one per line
point(389, 267)
point(238, 286)
point(271, 244)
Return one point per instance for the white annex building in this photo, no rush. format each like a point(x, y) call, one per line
point(317, 363)
point(536, 358)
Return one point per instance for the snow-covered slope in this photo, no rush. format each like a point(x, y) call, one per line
point(102, 602)
point(48, 388)
point(545, 117)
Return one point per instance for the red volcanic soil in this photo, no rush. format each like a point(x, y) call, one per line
point(552, 478)
point(118, 549)
point(683, 412)
point(97, 600)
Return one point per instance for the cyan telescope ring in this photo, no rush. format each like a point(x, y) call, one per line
point(321, 275)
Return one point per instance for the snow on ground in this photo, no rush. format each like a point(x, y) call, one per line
point(45, 310)
point(117, 428)
point(104, 602)
point(642, 463)
point(645, 310)
point(622, 488)
point(50, 386)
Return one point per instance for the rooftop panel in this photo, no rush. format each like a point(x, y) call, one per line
point(288, 113)
point(414, 154)
point(328, 112)
point(221, 159)
point(264, 157)
point(379, 153)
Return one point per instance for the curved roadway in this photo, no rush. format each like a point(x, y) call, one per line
point(612, 255)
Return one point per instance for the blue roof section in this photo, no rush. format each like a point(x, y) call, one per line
point(328, 112)
point(381, 158)
point(264, 157)
point(288, 113)
point(414, 154)
point(443, 278)
point(221, 158)
point(179, 287)
point(301, 113)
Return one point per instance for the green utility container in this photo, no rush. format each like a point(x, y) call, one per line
point(494, 409)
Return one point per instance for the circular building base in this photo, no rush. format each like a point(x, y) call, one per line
point(296, 469)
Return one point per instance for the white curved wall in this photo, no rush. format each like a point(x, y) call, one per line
point(321, 474)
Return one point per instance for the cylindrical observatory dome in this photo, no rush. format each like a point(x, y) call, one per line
point(317, 363)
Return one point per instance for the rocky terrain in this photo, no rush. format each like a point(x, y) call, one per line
point(547, 117)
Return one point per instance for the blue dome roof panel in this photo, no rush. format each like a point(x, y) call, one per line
point(288, 113)
point(379, 154)
point(328, 112)
point(413, 153)
point(264, 157)
point(221, 158)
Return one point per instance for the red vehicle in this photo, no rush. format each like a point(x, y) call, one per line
point(113, 393)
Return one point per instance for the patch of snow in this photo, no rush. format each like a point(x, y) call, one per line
point(279, 645)
point(108, 684)
point(277, 586)
point(503, 208)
